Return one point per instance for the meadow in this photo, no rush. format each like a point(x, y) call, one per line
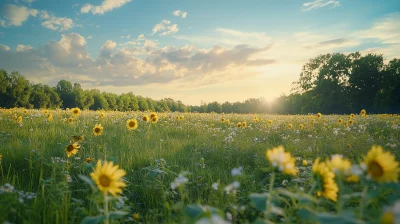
point(197, 167)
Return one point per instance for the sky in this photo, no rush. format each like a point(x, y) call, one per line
point(194, 50)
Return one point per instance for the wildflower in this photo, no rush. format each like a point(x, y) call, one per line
point(232, 188)
point(76, 111)
point(179, 181)
point(215, 186)
point(131, 124)
point(381, 166)
point(282, 160)
point(145, 118)
point(72, 149)
point(237, 171)
point(108, 177)
point(327, 186)
point(97, 130)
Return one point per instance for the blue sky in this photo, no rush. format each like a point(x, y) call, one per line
point(208, 50)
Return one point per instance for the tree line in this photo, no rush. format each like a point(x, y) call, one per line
point(330, 83)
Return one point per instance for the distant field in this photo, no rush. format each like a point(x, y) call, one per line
point(225, 175)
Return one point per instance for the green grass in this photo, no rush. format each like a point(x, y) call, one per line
point(154, 155)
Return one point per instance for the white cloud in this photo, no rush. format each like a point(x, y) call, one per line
point(385, 30)
point(89, 37)
point(106, 5)
point(23, 48)
point(140, 37)
point(126, 37)
point(179, 13)
point(16, 15)
point(29, 1)
point(4, 47)
point(164, 25)
point(315, 4)
point(57, 23)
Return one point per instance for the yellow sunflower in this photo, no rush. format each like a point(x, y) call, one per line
point(154, 119)
point(108, 177)
point(25, 111)
point(70, 120)
point(77, 138)
point(145, 118)
point(152, 114)
point(282, 160)
point(50, 117)
point(244, 124)
point(363, 112)
point(76, 111)
point(46, 111)
point(339, 165)
point(319, 115)
point(340, 120)
point(97, 130)
point(19, 120)
point(131, 124)
point(89, 160)
point(381, 166)
point(102, 115)
point(270, 122)
point(72, 149)
point(301, 126)
point(325, 178)
point(222, 120)
point(290, 126)
point(239, 124)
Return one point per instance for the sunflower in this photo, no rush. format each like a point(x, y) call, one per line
point(76, 111)
point(97, 130)
point(50, 117)
point(19, 120)
point(327, 186)
point(301, 126)
point(154, 119)
point(340, 120)
point(351, 122)
point(108, 177)
point(282, 160)
point(136, 216)
point(181, 117)
point(102, 115)
point(339, 165)
point(363, 112)
point(290, 126)
point(270, 122)
point(381, 166)
point(227, 121)
point(89, 160)
point(152, 114)
point(70, 120)
point(145, 118)
point(72, 149)
point(46, 111)
point(239, 124)
point(319, 115)
point(131, 124)
point(25, 111)
point(222, 120)
point(244, 124)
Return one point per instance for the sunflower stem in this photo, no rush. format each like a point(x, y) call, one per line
point(269, 199)
point(362, 201)
point(106, 221)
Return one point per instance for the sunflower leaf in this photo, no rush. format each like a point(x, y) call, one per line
point(86, 180)
point(93, 219)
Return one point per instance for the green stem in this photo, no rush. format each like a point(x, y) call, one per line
point(106, 221)
point(362, 201)
point(271, 187)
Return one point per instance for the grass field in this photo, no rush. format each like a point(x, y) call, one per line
point(189, 168)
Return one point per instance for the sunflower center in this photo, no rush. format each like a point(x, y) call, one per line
point(104, 181)
point(375, 169)
point(132, 124)
point(97, 130)
point(70, 148)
